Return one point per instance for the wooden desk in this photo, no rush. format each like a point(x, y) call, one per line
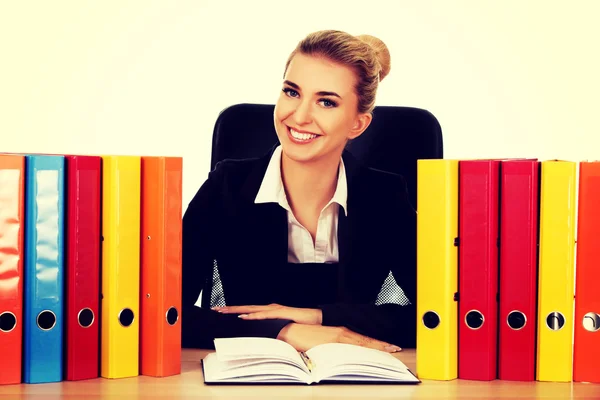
point(191, 385)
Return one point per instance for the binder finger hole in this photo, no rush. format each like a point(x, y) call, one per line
point(516, 320)
point(8, 321)
point(46, 320)
point(172, 316)
point(555, 321)
point(591, 322)
point(126, 317)
point(85, 318)
point(431, 320)
point(474, 319)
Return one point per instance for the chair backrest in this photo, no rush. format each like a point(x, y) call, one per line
point(394, 141)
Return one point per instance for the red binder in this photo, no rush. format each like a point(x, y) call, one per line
point(586, 351)
point(519, 214)
point(82, 270)
point(12, 180)
point(478, 269)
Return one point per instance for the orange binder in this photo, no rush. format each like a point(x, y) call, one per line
point(161, 230)
point(586, 351)
point(12, 189)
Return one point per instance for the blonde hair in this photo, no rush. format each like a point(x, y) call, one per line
point(367, 55)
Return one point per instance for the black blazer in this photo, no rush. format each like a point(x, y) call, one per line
point(248, 242)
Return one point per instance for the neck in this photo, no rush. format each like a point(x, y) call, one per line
point(311, 184)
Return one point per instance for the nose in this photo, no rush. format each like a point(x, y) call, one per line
point(302, 113)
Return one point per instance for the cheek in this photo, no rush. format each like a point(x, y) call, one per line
point(283, 109)
point(334, 123)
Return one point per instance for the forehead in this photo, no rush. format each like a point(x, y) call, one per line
point(314, 74)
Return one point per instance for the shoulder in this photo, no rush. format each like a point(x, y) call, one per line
point(373, 186)
point(230, 172)
point(232, 181)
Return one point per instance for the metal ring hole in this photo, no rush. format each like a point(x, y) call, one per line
point(516, 320)
point(431, 319)
point(555, 321)
point(591, 322)
point(126, 317)
point(474, 319)
point(85, 318)
point(46, 320)
point(8, 321)
point(172, 316)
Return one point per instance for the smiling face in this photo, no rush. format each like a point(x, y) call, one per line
point(317, 111)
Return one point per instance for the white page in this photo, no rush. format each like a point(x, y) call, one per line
point(344, 359)
point(234, 371)
point(257, 348)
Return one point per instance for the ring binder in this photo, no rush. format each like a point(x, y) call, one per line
point(8, 322)
point(46, 320)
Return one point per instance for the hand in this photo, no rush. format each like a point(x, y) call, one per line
point(303, 337)
point(308, 316)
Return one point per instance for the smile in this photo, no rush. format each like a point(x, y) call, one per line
point(301, 137)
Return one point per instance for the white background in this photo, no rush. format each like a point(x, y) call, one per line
point(505, 79)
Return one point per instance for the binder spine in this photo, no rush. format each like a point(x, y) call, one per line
point(586, 367)
point(437, 269)
point(519, 209)
point(556, 272)
point(160, 336)
point(478, 261)
point(83, 266)
point(120, 267)
point(12, 169)
point(43, 272)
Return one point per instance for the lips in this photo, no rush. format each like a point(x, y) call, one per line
point(301, 137)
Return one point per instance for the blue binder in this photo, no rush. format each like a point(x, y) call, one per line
point(44, 269)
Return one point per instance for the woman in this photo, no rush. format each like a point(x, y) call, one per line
point(305, 237)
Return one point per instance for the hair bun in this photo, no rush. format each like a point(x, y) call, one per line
point(381, 52)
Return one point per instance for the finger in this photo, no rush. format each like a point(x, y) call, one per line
point(269, 314)
point(365, 341)
point(241, 309)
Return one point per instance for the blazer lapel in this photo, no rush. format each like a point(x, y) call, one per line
point(349, 229)
point(266, 222)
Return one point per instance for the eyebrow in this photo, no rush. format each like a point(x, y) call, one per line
point(322, 93)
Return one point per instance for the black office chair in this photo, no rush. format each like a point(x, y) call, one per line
point(395, 140)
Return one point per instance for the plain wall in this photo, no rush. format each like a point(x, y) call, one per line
point(505, 79)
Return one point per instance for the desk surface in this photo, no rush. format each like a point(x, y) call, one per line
point(190, 384)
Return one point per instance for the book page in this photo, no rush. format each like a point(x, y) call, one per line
point(253, 348)
point(261, 370)
point(350, 362)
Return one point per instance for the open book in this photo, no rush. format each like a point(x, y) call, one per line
point(263, 360)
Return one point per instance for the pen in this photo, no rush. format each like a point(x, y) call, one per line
point(307, 361)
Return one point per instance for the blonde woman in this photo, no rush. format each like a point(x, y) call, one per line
point(305, 239)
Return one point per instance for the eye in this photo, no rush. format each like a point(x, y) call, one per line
point(328, 103)
point(290, 92)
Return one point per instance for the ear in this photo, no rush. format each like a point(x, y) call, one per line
point(361, 123)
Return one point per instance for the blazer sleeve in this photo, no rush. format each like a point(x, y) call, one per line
point(392, 323)
point(202, 222)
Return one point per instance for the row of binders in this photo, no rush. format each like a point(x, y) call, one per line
point(508, 265)
point(90, 267)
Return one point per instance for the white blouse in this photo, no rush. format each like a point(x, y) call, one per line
point(300, 243)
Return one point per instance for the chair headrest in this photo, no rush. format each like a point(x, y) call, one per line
point(394, 141)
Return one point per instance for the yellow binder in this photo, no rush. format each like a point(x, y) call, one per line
point(437, 269)
point(120, 266)
point(556, 271)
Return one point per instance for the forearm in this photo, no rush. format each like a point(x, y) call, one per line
point(387, 322)
point(200, 326)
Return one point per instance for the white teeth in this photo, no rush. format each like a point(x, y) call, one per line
point(302, 136)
